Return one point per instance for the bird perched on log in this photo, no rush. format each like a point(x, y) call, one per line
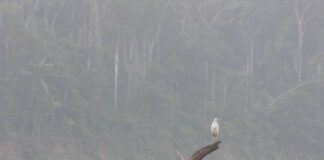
point(215, 129)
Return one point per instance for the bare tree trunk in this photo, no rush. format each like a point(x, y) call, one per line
point(94, 36)
point(213, 85)
point(251, 64)
point(116, 78)
point(300, 14)
point(300, 37)
point(206, 72)
point(224, 96)
point(144, 59)
point(129, 67)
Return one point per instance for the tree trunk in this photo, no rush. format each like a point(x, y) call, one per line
point(116, 78)
point(301, 19)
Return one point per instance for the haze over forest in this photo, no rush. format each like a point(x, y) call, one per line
point(140, 79)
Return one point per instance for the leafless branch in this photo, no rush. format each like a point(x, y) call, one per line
point(288, 92)
point(180, 155)
point(201, 153)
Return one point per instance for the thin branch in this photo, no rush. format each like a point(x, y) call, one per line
point(180, 155)
point(288, 92)
point(56, 14)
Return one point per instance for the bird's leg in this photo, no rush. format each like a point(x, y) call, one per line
point(214, 139)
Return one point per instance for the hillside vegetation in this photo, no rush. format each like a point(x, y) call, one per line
point(140, 79)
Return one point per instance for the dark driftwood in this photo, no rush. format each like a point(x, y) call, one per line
point(201, 153)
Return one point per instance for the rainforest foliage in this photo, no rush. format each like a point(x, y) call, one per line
point(140, 79)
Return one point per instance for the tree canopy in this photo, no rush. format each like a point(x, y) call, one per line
point(89, 79)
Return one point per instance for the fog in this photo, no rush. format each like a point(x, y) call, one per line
point(140, 79)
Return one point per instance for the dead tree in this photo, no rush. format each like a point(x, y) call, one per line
point(202, 152)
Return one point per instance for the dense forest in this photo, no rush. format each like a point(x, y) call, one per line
point(140, 79)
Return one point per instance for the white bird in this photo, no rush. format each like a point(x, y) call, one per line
point(214, 129)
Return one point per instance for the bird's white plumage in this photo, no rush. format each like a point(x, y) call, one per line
point(215, 129)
